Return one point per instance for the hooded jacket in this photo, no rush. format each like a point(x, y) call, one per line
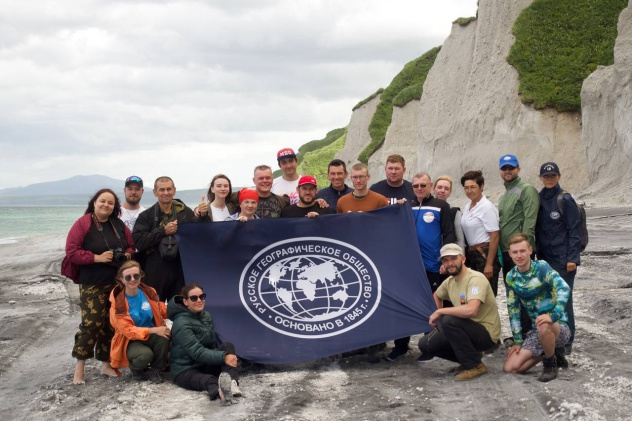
point(193, 339)
point(124, 328)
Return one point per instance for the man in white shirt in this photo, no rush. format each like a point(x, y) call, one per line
point(288, 182)
point(131, 207)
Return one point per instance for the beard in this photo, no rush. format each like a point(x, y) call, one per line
point(455, 269)
point(132, 201)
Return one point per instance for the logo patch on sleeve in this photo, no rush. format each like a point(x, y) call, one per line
point(475, 291)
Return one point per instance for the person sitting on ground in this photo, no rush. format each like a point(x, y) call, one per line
point(197, 361)
point(141, 337)
point(543, 294)
point(248, 202)
point(471, 326)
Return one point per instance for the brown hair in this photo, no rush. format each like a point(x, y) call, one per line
point(211, 195)
point(477, 176)
point(337, 163)
point(129, 264)
point(190, 287)
point(396, 159)
point(359, 167)
point(518, 238)
point(163, 179)
point(117, 204)
point(262, 168)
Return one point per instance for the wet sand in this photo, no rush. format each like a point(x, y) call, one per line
point(39, 316)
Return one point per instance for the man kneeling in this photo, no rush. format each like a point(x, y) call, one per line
point(472, 326)
point(543, 293)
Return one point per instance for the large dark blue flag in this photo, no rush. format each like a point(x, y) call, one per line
point(297, 289)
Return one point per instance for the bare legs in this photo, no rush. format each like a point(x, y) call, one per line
point(80, 370)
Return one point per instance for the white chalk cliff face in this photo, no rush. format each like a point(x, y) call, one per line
point(470, 114)
point(607, 114)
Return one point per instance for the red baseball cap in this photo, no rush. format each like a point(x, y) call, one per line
point(285, 153)
point(307, 179)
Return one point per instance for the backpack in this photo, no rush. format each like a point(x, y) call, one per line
point(582, 217)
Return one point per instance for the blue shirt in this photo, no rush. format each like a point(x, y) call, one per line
point(140, 310)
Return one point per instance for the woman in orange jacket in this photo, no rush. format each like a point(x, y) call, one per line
point(141, 337)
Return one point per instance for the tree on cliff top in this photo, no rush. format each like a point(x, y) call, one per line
point(558, 44)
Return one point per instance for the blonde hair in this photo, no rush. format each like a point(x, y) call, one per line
point(446, 178)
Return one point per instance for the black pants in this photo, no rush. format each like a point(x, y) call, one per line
point(206, 377)
point(458, 340)
point(525, 320)
point(435, 280)
point(475, 261)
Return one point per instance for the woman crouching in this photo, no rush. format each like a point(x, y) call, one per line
point(197, 362)
point(141, 337)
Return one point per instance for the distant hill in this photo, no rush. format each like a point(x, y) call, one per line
point(77, 191)
point(79, 184)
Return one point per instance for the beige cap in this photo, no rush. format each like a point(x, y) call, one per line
point(451, 250)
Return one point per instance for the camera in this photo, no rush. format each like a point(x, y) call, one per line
point(118, 256)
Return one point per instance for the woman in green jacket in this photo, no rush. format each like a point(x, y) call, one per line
point(197, 362)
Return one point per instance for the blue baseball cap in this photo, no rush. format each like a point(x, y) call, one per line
point(508, 160)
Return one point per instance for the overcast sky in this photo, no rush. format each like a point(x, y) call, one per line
point(192, 88)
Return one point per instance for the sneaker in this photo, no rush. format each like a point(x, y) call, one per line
point(235, 389)
point(424, 358)
point(137, 375)
point(549, 371)
point(153, 375)
point(225, 384)
point(395, 354)
point(560, 358)
point(472, 373)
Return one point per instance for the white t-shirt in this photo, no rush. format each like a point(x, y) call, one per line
point(219, 215)
point(479, 222)
point(281, 186)
point(130, 216)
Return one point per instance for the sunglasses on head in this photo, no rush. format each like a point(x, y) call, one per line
point(194, 298)
point(133, 179)
point(128, 278)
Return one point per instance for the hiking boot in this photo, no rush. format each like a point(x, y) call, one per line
point(153, 375)
point(568, 349)
point(549, 371)
point(372, 356)
point(395, 354)
point(424, 358)
point(235, 388)
point(472, 373)
point(560, 359)
point(225, 384)
point(508, 342)
point(137, 375)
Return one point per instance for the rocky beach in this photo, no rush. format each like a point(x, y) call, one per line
point(39, 316)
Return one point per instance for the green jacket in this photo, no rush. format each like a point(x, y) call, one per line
point(518, 211)
point(193, 339)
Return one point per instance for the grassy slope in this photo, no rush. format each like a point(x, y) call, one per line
point(412, 75)
point(315, 162)
point(558, 44)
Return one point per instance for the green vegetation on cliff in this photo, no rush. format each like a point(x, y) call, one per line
point(315, 162)
point(367, 99)
point(465, 21)
point(412, 76)
point(558, 44)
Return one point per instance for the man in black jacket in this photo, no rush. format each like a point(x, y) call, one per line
point(158, 224)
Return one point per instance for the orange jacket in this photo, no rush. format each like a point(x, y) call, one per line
point(124, 329)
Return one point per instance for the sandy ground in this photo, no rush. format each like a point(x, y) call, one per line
point(39, 316)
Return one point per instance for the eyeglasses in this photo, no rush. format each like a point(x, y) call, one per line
point(358, 177)
point(128, 278)
point(194, 298)
point(420, 185)
point(507, 168)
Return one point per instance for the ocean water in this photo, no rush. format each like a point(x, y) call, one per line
point(19, 222)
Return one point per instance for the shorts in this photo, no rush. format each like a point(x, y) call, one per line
point(532, 341)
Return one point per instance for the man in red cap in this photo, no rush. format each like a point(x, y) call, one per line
point(248, 201)
point(306, 206)
point(288, 182)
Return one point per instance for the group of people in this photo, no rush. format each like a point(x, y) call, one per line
point(122, 300)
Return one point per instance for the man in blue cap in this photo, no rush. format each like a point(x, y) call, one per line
point(518, 211)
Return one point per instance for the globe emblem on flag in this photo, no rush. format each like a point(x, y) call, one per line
point(310, 287)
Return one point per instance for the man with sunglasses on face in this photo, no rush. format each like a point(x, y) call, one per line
point(518, 211)
point(434, 225)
